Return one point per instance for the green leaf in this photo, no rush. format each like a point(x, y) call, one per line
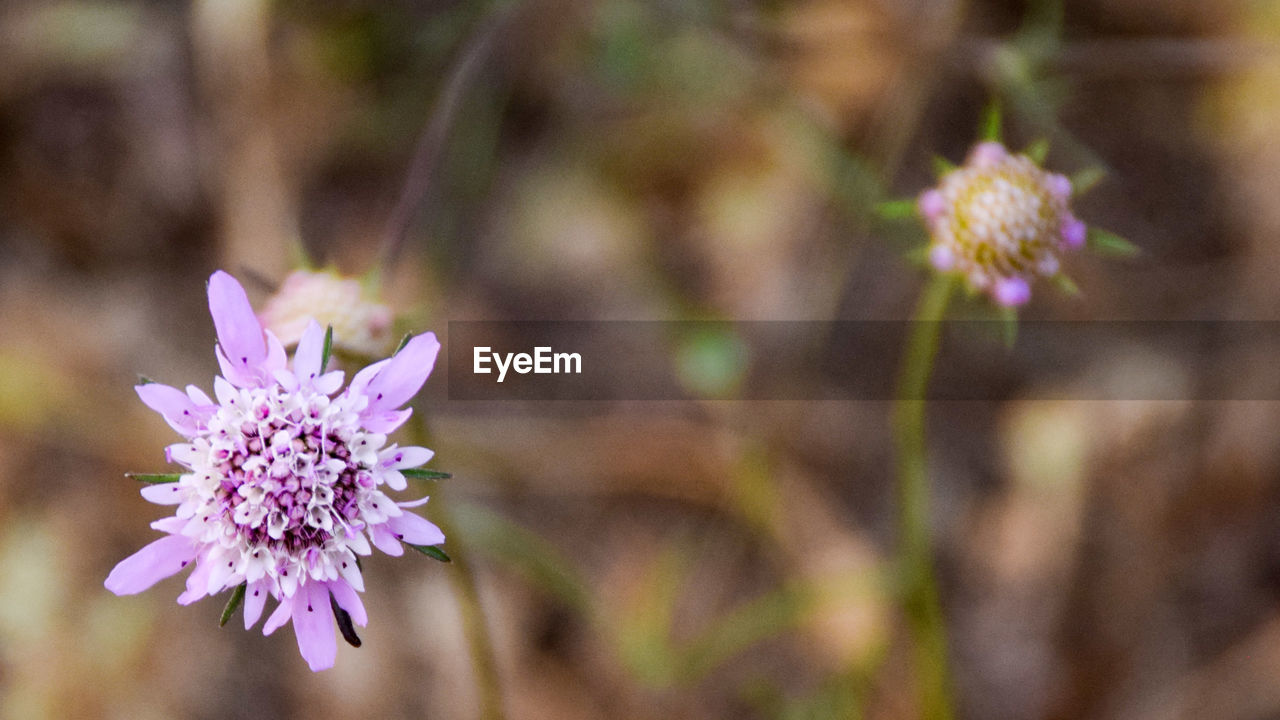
point(328, 348)
point(155, 478)
point(424, 474)
point(1037, 151)
point(237, 596)
point(343, 618)
point(1085, 180)
point(991, 121)
point(942, 166)
point(1104, 242)
point(1066, 284)
point(896, 209)
point(144, 380)
point(431, 551)
point(403, 341)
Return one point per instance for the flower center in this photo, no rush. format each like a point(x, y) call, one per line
point(287, 468)
point(1004, 217)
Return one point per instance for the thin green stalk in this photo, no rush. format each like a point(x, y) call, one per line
point(474, 626)
point(462, 578)
point(919, 587)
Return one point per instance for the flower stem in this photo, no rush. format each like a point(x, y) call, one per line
point(474, 626)
point(919, 587)
point(462, 578)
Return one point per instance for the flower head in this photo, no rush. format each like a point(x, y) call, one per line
point(1000, 220)
point(284, 478)
point(360, 324)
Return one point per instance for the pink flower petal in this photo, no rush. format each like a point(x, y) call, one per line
point(360, 383)
point(240, 377)
point(225, 391)
point(350, 571)
point(329, 382)
point(313, 626)
point(171, 525)
point(931, 205)
point(255, 598)
point(406, 457)
point(1074, 233)
point(1060, 187)
point(942, 258)
point(164, 493)
point(174, 405)
point(279, 617)
point(153, 563)
point(987, 154)
point(1012, 292)
point(415, 529)
point(239, 332)
point(394, 479)
point(403, 376)
point(349, 600)
point(277, 358)
point(199, 397)
point(197, 584)
point(387, 422)
point(306, 359)
point(385, 540)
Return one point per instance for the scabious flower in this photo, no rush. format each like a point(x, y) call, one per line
point(284, 479)
point(361, 325)
point(1000, 220)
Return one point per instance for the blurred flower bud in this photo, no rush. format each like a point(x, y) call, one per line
point(1000, 220)
point(361, 326)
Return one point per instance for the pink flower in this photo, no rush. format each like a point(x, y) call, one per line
point(284, 477)
point(1000, 221)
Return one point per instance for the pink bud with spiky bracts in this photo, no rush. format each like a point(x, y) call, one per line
point(1000, 220)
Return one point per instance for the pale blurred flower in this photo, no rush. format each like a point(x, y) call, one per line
point(283, 481)
point(1000, 220)
point(361, 326)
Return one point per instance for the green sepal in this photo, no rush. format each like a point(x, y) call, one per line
point(896, 209)
point(424, 474)
point(144, 380)
point(403, 341)
point(1066, 284)
point(343, 619)
point(237, 596)
point(431, 551)
point(328, 348)
point(1037, 151)
point(1087, 179)
point(942, 166)
point(155, 478)
point(992, 119)
point(1104, 242)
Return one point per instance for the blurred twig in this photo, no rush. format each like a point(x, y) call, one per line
point(1143, 58)
point(430, 144)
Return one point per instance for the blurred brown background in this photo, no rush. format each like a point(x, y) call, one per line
point(645, 159)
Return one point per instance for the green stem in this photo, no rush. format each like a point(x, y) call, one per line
point(474, 626)
point(463, 580)
point(919, 588)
